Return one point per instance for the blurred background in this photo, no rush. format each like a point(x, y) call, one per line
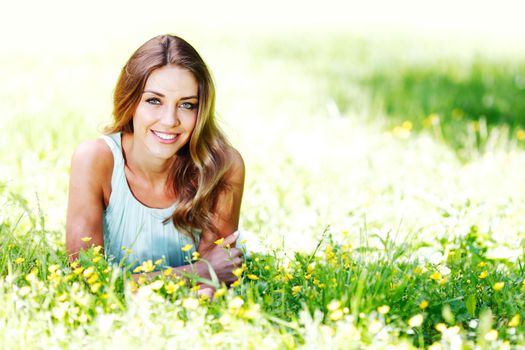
point(370, 119)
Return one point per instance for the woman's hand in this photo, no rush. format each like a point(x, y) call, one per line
point(224, 258)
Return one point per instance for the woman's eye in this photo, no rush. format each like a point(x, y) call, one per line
point(188, 105)
point(153, 101)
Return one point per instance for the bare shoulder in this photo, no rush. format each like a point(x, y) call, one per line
point(93, 158)
point(236, 171)
point(93, 152)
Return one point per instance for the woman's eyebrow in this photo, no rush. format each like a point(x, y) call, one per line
point(161, 95)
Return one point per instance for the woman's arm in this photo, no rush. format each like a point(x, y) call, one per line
point(91, 165)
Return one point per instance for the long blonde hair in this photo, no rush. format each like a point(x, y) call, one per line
point(200, 165)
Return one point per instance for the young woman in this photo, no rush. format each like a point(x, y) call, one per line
point(164, 176)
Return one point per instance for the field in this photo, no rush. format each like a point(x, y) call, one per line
point(384, 197)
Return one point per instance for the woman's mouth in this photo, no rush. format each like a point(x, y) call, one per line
point(165, 137)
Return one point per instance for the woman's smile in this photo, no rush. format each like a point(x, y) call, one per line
point(166, 138)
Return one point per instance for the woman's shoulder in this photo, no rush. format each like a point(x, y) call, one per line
point(236, 169)
point(94, 157)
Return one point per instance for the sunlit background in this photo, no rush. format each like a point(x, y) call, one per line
point(308, 92)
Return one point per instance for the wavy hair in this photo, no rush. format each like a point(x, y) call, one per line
point(198, 171)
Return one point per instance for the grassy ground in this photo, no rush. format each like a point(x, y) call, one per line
point(384, 178)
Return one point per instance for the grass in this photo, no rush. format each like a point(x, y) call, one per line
point(381, 225)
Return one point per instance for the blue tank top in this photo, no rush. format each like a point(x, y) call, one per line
point(130, 225)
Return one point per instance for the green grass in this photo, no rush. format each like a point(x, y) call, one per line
point(365, 217)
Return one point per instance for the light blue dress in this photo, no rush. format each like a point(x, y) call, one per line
point(129, 224)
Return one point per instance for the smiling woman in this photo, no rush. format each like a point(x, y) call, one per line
point(164, 176)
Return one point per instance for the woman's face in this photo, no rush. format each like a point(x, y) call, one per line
point(167, 111)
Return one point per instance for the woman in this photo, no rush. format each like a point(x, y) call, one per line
point(163, 177)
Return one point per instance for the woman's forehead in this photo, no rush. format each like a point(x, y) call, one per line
point(172, 80)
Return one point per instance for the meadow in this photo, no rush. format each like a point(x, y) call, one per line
point(384, 197)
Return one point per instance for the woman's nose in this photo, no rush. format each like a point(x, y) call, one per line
point(170, 117)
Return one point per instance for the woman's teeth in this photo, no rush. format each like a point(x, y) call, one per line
point(165, 136)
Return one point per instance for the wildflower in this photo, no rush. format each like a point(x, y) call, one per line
point(157, 285)
point(97, 249)
point(441, 327)
point(86, 239)
point(187, 247)
point(336, 315)
point(147, 266)
point(417, 270)
point(167, 272)
point(195, 288)
point(219, 293)
point(415, 321)
point(190, 303)
point(515, 321)
point(296, 290)
point(219, 241)
point(74, 264)
point(334, 305)
point(89, 271)
point(253, 277)
point(483, 274)
point(158, 262)
point(505, 345)
point(383, 309)
point(498, 286)
point(195, 256)
point(53, 268)
point(310, 268)
point(243, 241)
point(31, 276)
point(96, 287)
point(491, 335)
point(436, 276)
point(423, 305)
point(24, 291)
point(236, 283)
point(171, 287)
point(520, 135)
point(96, 259)
point(238, 271)
point(236, 303)
point(93, 278)
point(19, 260)
point(482, 264)
point(435, 346)
point(137, 269)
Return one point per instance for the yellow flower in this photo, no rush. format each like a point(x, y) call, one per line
point(187, 247)
point(78, 270)
point(336, 315)
point(310, 268)
point(53, 268)
point(515, 321)
point(219, 293)
point(195, 288)
point(219, 241)
point(190, 303)
point(435, 346)
point(137, 269)
point(505, 345)
point(74, 264)
point(236, 303)
point(19, 260)
point(334, 305)
point(92, 279)
point(417, 270)
point(383, 309)
point(423, 304)
point(24, 291)
point(520, 135)
point(97, 249)
point(243, 241)
point(195, 255)
point(86, 239)
point(415, 321)
point(436, 276)
point(498, 286)
point(147, 266)
point(238, 271)
point(89, 271)
point(483, 274)
point(171, 287)
point(441, 327)
point(296, 290)
point(491, 335)
point(168, 271)
point(236, 283)
point(159, 261)
point(96, 259)
point(253, 277)
point(157, 285)
point(96, 287)
point(482, 264)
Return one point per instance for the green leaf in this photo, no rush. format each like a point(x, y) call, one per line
point(470, 304)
